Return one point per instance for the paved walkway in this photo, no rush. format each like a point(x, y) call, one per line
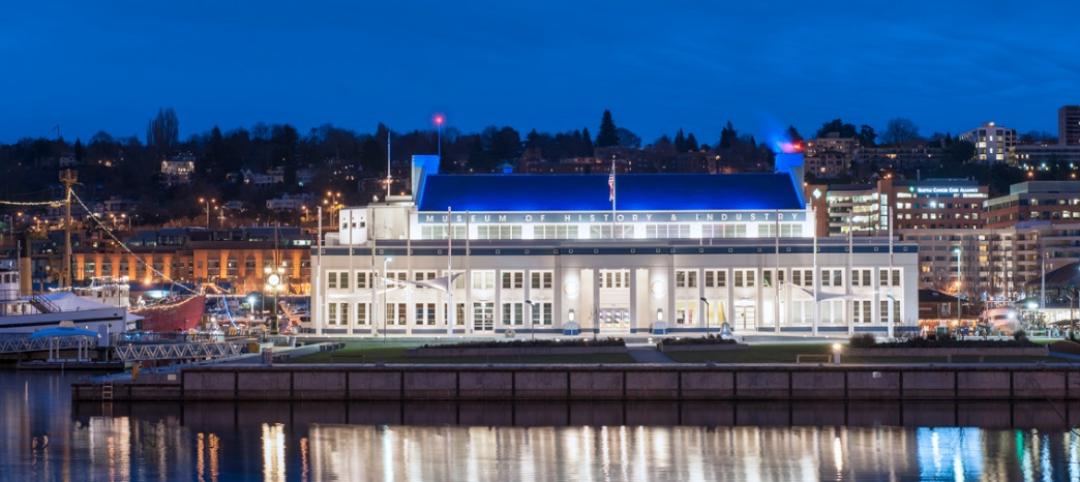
point(648, 354)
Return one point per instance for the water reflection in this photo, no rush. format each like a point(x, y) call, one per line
point(45, 438)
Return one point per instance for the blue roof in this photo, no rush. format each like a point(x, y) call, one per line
point(589, 192)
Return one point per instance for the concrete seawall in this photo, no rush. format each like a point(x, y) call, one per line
point(605, 382)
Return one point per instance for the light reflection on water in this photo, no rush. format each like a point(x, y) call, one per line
point(45, 438)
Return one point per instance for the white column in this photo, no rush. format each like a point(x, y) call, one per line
point(703, 312)
point(595, 309)
point(633, 299)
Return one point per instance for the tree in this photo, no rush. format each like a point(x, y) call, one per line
point(867, 136)
point(586, 149)
point(900, 131)
point(680, 141)
point(793, 135)
point(691, 142)
point(836, 128)
point(728, 136)
point(627, 138)
point(959, 152)
point(607, 137)
point(163, 132)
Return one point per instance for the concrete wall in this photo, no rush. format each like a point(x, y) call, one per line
point(606, 382)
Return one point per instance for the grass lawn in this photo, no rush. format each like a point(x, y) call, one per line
point(395, 351)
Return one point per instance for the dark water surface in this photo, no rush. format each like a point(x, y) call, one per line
point(44, 437)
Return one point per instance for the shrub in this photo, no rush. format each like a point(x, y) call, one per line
point(950, 342)
point(546, 342)
point(1020, 335)
point(705, 340)
point(862, 340)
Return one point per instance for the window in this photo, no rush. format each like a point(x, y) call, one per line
point(541, 313)
point(766, 277)
point(331, 280)
point(513, 313)
point(860, 277)
point(459, 315)
point(715, 278)
point(803, 277)
point(555, 231)
point(361, 313)
point(362, 279)
point(860, 311)
point(832, 277)
point(395, 314)
point(541, 279)
point(332, 314)
point(513, 280)
point(483, 280)
point(667, 231)
point(686, 278)
point(343, 280)
point(614, 279)
point(423, 276)
point(603, 231)
point(744, 278)
point(884, 311)
point(425, 313)
point(723, 231)
point(344, 313)
point(495, 231)
point(885, 280)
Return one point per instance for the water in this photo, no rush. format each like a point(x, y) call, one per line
point(587, 441)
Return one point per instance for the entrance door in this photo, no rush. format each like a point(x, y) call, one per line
point(484, 316)
point(614, 318)
point(744, 317)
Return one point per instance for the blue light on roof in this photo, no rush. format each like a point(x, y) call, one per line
point(589, 192)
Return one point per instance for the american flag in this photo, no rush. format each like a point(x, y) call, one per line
point(611, 186)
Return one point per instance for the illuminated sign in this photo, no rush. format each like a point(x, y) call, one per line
point(620, 217)
point(946, 190)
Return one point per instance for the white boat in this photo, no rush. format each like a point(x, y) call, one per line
point(27, 314)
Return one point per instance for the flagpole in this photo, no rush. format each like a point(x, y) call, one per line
point(613, 194)
point(451, 311)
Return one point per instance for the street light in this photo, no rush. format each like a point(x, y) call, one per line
point(274, 284)
point(207, 202)
point(959, 283)
point(532, 323)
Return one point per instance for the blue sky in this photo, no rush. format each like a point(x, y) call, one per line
point(552, 65)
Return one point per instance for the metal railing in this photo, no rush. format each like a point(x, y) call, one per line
point(23, 344)
point(177, 351)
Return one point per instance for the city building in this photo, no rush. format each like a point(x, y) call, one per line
point(831, 156)
point(1042, 156)
point(1054, 201)
point(663, 253)
point(289, 202)
point(863, 209)
point(899, 157)
point(993, 143)
point(234, 257)
point(177, 171)
point(1069, 125)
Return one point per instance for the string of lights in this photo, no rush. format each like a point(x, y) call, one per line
point(125, 247)
point(32, 203)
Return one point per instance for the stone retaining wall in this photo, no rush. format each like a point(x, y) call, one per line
point(607, 382)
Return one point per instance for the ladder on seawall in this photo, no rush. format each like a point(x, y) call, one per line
point(107, 392)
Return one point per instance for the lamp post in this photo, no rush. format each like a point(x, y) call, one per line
point(439, 120)
point(386, 314)
point(708, 315)
point(274, 285)
point(532, 323)
point(959, 283)
point(207, 202)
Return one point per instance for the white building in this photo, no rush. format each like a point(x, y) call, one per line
point(674, 253)
point(993, 143)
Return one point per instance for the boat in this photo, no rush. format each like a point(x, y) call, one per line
point(170, 313)
point(24, 315)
